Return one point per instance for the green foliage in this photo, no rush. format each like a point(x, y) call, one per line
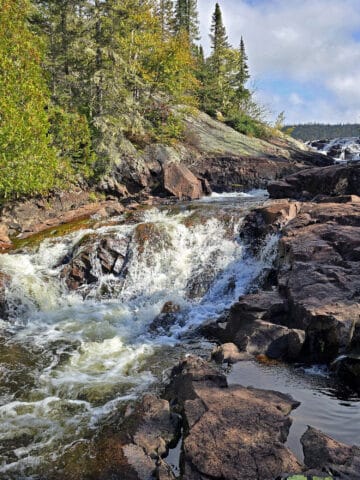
point(167, 126)
point(247, 125)
point(72, 138)
point(84, 73)
point(28, 163)
point(318, 131)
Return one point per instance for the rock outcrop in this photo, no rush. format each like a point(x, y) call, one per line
point(311, 307)
point(325, 454)
point(332, 180)
point(233, 432)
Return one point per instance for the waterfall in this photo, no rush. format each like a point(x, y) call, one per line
point(76, 355)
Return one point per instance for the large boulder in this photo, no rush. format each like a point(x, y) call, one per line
point(323, 453)
point(255, 325)
point(233, 432)
point(93, 257)
point(180, 182)
point(305, 185)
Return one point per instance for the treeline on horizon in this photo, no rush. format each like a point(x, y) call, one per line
point(320, 131)
point(77, 74)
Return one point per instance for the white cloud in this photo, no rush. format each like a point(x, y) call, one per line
point(308, 41)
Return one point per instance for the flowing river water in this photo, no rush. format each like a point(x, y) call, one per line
point(69, 359)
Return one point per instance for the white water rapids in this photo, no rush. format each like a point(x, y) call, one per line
point(73, 357)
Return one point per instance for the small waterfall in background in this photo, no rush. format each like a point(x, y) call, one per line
point(342, 149)
point(73, 355)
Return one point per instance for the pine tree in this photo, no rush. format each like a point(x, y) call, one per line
point(187, 19)
point(165, 13)
point(28, 163)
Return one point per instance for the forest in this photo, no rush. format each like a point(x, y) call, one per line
point(319, 131)
point(73, 73)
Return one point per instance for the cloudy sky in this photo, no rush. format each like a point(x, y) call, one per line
point(304, 55)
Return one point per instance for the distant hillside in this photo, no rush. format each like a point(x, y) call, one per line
point(317, 131)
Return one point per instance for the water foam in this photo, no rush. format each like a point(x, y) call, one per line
point(95, 352)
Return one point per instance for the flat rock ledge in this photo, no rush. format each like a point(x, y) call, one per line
point(232, 433)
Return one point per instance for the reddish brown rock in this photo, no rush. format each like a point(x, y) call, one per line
point(228, 353)
point(179, 181)
point(316, 283)
point(235, 433)
point(5, 241)
point(323, 453)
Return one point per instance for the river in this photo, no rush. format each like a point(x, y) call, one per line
point(70, 358)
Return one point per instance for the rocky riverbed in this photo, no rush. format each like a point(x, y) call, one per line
point(94, 316)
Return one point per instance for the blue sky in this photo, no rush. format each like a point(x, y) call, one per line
point(304, 55)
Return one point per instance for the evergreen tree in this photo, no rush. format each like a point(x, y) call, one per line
point(187, 19)
point(165, 13)
point(243, 74)
point(218, 37)
point(28, 163)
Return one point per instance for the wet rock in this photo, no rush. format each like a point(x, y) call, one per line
point(93, 257)
point(233, 432)
point(166, 318)
point(179, 181)
point(129, 449)
point(4, 281)
point(326, 454)
point(268, 219)
point(332, 180)
point(228, 353)
point(347, 367)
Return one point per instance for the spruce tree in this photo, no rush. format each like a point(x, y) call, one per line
point(218, 37)
point(165, 13)
point(187, 19)
point(243, 74)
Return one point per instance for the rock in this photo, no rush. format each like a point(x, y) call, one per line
point(166, 318)
point(332, 180)
point(5, 241)
point(323, 452)
point(228, 353)
point(316, 284)
point(347, 368)
point(256, 324)
point(127, 448)
point(179, 181)
point(93, 257)
point(265, 220)
point(4, 281)
point(232, 433)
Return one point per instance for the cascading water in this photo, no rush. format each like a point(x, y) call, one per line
point(71, 357)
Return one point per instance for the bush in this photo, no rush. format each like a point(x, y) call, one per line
point(243, 123)
point(166, 125)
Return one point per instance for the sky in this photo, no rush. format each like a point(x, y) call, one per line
point(304, 55)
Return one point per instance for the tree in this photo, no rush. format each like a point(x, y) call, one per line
point(28, 163)
point(187, 19)
point(243, 74)
point(165, 13)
